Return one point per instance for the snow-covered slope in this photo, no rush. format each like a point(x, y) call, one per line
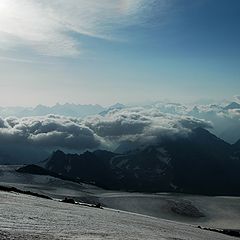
point(216, 212)
point(26, 217)
point(46, 185)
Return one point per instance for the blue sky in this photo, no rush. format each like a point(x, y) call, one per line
point(118, 51)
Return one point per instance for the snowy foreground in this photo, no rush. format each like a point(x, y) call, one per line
point(28, 217)
point(218, 212)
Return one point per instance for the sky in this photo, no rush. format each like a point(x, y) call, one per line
point(109, 51)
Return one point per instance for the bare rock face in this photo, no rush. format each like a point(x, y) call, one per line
point(68, 200)
point(185, 208)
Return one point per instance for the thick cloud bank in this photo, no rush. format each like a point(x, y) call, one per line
point(139, 125)
point(29, 139)
point(142, 125)
point(49, 131)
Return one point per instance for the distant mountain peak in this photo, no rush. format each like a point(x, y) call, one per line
point(67, 109)
point(57, 154)
point(117, 106)
point(232, 105)
point(206, 137)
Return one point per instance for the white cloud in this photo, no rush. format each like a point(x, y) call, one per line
point(49, 132)
point(143, 125)
point(30, 139)
point(237, 98)
point(231, 114)
point(46, 26)
point(135, 124)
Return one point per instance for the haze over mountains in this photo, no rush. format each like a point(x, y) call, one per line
point(77, 128)
point(67, 109)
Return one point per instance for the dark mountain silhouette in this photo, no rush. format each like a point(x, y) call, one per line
point(232, 105)
point(91, 167)
point(237, 145)
point(37, 170)
point(200, 163)
point(203, 164)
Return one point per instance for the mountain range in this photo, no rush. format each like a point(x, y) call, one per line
point(67, 109)
point(224, 117)
point(199, 164)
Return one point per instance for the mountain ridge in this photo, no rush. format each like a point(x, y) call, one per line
point(200, 164)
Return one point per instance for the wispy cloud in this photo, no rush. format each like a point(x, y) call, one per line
point(22, 60)
point(47, 26)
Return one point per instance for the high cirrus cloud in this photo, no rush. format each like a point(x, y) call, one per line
point(48, 27)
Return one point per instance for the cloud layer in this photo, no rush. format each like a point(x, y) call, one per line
point(49, 132)
point(142, 125)
point(138, 125)
point(127, 127)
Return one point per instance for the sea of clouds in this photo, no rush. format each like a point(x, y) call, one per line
point(137, 124)
point(33, 138)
